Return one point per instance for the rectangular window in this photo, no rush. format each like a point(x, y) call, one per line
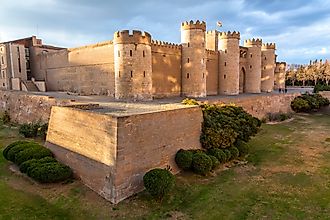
point(224, 76)
point(131, 53)
point(144, 54)
point(131, 73)
point(188, 60)
point(225, 63)
point(144, 73)
point(203, 75)
point(187, 75)
point(2, 60)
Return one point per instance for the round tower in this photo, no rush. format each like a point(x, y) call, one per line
point(193, 59)
point(267, 67)
point(253, 70)
point(133, 65)
point(228, 63)
point(280, 70)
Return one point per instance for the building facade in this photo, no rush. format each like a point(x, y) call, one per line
point(133, 66)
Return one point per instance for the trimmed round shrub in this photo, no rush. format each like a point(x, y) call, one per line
point(11, 155)
point(233, 152)
point(50, 172)
point(218, 153)
point(35, 152)
point(202, 163)
point(183, 159)
point(27, 164)
point(243, 148)
point(158, 182)
point(215, 162)
point(228, 154)
point(5, 151)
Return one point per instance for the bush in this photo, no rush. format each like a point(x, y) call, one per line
point(223, 125)
point(218, 153)
point(300, 105)
point(5, 118)
point(243, 148)
point(320, 87)
point(12, 153)
point(277, 116)
point(233, 152)
point(34, 152)
point(188, 101)
point(308, 102)
point(215, 162)
point(183, 159)
point(158, 182)
point(32, 130)
point(5, 151)
point(201, 164)
point(50, 172)
point(228, 155)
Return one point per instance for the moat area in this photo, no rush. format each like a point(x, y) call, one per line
point(286, 177)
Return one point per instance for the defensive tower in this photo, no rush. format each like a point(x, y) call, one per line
point(193, 59)
point(228, 63)
point(267, 67)
point(280, 75)
point(133, 65)
point(253, 71)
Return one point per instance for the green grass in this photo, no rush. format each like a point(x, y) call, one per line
point(287, 177)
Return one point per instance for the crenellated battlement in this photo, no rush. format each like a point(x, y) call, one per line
point(211, 52)
point(137, 37)
point(212, 32)
point(227, 35)
point(268, 46)
point(193, 25)
point(165, 44)
point(253, 42)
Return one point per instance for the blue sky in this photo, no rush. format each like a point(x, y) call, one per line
point(300, 28)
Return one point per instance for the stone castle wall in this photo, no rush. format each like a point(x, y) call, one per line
point(260, 105)
point(25, 108)
point(85, 70)
point(212, 76)
point(112, 153)
point(166, 69)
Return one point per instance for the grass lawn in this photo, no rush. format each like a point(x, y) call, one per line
point(287, 177)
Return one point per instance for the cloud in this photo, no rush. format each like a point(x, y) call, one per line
point(300, 28)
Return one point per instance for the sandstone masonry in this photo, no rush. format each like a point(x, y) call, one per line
point(133, 66)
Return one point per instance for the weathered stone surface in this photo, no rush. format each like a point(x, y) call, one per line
point(112, 153)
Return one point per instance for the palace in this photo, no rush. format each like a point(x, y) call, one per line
point(133, 66)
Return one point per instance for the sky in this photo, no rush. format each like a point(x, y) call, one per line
point(300, 28)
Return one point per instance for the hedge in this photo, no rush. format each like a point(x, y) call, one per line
point(224, 125)
point(37, 162)
point(309, 102)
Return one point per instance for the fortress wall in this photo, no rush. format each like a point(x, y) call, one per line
point(86, 70)
point(212, 66)
point(112, 153)
point(86, 142)
point(166, 70)
point(25, 108)
point(260, 105)
point(38, 62)
point(151, 140)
